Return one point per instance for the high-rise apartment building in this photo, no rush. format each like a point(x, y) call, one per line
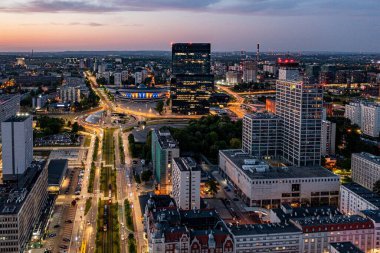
point(186, 183)
point(262, 135)
point(117, 78)
point(249, 71)
point(299, 105)
point(365, 169)
point(164, 149)
point(328, 138)
point(366, 115)
point(193, 84)
point(17, 145)
point(9, 106)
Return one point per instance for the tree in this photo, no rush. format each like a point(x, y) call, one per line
point(235, 143)
point(146, 175)
point(75, 128)
point(376, 187)
point(160, 107)
point(212, 186)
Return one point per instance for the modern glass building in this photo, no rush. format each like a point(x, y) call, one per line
point(193, 82)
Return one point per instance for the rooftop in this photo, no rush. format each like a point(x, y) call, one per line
point(364, 193)
point(372, 214)
point(13, 194)
point(368, 156)
point(20, 117)
point(260, 229)
point(165, 139)
point(262, 116)
point(330, 220)
point(345, 247)
point(285, 214)
point(259, 169)
point(6, 97)
point(186, 164)
point(56, 171)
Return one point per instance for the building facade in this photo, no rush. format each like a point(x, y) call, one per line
point(262, 135)
point(328, 138)
point(249, 71)
point(193, 82)
point(365, 169)
point(299, 106)
point(186, 183)
point(370, 118)
point(164, 149)
point(21, 205)
point(262, 185)
point(17, 143)
point(355, 198)
point(9, 106)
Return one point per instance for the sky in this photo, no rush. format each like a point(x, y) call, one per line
point(229, 25)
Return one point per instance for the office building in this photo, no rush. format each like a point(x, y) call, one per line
point(138, 78)
point(21, 204)
point(262, 135)
point(328, 138)
point(164, 149)
point(186, 183)
point(117, 79)
point(299, 106)
point(193, 84)
point(39, 101)
point(17, 142)
point(233, 77)
point(270, 105)
point(355, 198)
point(249, 71)
point(313, 70)
point(288, 70)
point(261, 184)
point(365, 169)
point(9, 106)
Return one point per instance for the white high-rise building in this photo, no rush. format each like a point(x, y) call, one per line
point(117, 78)
point(9, 106)
point(299, 105)
point(138, 77)
point(17, 144)
point(365, 169)
point(353, 112)
point(366, 115)
point(186, 183)
point(328, 138)
point(124, 75)
point(70, 93)
point(370, 118)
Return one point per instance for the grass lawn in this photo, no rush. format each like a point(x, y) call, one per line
point(88, 205)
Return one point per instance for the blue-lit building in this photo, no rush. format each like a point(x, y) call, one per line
point(141, 93)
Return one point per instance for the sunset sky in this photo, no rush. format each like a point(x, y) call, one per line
point(278, 25)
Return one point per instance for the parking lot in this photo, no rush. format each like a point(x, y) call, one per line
point(61, 224)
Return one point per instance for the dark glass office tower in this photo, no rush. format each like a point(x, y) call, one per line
point(193, 82)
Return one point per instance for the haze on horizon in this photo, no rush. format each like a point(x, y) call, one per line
point(278, 25)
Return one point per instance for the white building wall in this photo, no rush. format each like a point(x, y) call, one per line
point(350, 203)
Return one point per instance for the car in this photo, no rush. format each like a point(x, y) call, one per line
point(235, 199)
point(52, 235)
point(63, 246)
point(68, 221)
point(228, 189)
point(66, 239)
point(56, 226)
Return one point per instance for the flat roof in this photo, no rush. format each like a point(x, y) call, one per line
point(364, 193)
point(165, 139)
point(301, 212)
point(369, 157)
point(56, 171)
point(262, 116)
point(345, 247)
point(13, 194)
point(327, 220)
point(372, 214)
point(6, 97)
point(18, 117)
point(262, 229)
point(239, 158)
point(186, 164)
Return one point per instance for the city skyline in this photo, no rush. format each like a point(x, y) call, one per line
point(228, 25)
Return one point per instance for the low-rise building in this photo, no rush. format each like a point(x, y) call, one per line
point(186, 183)
point(355, 198)
point(344, 247)
point(56, 173)
point(262, 185)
